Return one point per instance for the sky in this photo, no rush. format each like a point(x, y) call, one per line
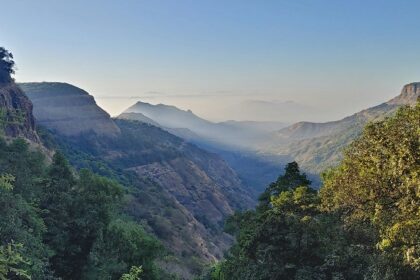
point(215, 57)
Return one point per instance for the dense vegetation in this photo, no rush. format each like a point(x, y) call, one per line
point(56, 223)
point(363, 224)
point(147, 202)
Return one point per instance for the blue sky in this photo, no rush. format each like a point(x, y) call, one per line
point(335, 56)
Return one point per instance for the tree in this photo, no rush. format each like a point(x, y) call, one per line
point(11, 261)
point(125, 244)
point(6, 66)
point(134, 274)
point(20, 221)
point(377, 186)
point(57, 203)
point(10, 257)
point(292, 178)
point(284, 238)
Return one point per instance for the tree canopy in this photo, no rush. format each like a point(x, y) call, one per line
point(7, 65)
point(363, 224)
point(58, 223)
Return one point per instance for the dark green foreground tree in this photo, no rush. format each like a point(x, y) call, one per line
point(364, 224)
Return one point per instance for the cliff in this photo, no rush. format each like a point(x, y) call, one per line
point(16, 115)
point(68, 110)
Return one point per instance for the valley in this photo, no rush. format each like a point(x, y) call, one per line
point(209, 140)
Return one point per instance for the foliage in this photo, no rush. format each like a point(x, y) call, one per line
point(6, 66)
point(378, 182)
point(6, 182)
point(134, 274)
point(62, 217)
point(125, 244)
point(10, 262)
point(364, 224)
point(291, 179)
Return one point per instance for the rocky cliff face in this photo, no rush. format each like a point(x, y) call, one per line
point(16, 115)
point(408, 96)
point(68, 110)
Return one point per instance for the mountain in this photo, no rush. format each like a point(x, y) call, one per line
point(185, 123)
point(182, 194)
point(169, 116)
point(16, 115)
point(232, 140)
point(138, 117)
point(68, 110)
point(317, 146)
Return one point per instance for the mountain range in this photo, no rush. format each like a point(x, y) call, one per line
point(316, 146)
point(234, 141)
point(265, 145)
point(240, 134)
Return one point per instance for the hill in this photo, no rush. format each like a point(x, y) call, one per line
point(67, 109)
point(233, 134)
point(234, 141)
point(317, 146)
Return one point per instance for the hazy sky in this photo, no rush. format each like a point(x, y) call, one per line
point(212, 56)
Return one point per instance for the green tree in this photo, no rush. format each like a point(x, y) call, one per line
point(291, 178)
point(76, 212)
point(11, 261)
point(134, 274)
point(20, 221)
point(279, 240)
point(124, 244)
point(57, 203)
point(377, 186)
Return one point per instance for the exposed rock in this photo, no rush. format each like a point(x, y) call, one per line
point(408, 96)
point(68, 110)
point(17, 119)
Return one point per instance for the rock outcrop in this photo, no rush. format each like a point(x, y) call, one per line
point(68, 110)
point(408, 96)
point(16, 115)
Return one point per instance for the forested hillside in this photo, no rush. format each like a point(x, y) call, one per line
point(364, 223)
point(56, 222)
point(59, 224)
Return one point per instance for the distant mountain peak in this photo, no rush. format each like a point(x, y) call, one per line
point(167, 115)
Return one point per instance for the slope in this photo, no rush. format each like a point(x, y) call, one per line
point(317, 146)
point(182, 193)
